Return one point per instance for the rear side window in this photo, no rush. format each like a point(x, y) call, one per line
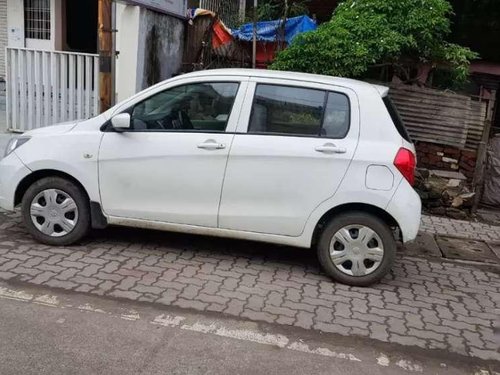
point(396, 118)
point(286, 110)
point(337, 116)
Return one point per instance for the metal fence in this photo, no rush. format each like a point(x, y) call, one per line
point(47, 87)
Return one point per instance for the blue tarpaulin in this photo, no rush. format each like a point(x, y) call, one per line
point(267, 30)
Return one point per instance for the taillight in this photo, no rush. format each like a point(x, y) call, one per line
point(405, 162)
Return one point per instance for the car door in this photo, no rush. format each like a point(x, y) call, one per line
point(170, 166)
point(291, 151)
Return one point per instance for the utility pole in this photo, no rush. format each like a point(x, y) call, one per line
point(104, 21)
point(254, 44)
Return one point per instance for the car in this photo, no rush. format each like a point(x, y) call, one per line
point(288, 158)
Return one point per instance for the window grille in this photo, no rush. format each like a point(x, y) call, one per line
point(37, 19)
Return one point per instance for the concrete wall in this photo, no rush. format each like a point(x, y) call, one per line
point(127, 37)
point(150, 48)
point(161, 43)
point(15, 23)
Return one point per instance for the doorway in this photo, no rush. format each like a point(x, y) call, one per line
point(81, 26)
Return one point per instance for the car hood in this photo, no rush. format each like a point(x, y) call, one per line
point(52, 130)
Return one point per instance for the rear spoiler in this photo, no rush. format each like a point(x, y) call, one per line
point(382, 90)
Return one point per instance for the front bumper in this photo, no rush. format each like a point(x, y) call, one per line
point(12, 171)
point(406, 207)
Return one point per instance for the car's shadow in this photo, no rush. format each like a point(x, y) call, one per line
point(207, 245)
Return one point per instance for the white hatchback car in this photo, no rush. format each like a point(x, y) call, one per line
point(288, 158)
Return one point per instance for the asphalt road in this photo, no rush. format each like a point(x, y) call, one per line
point(42, 332)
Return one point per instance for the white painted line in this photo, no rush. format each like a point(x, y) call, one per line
point(383, 360)
point(15, 295)
point(47, 300)
point(131, 315)
point(209, 327)
point(301, 347)
point(89, 307)
point(167, 320)
point(409, 366)
point(239, 334)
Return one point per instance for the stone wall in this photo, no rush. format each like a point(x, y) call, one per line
point(447, 158)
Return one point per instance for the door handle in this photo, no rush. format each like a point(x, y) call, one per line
point(211, 145)
point(330, 148)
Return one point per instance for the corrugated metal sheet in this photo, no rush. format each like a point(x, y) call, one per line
point(440, 117)
point(3, 36)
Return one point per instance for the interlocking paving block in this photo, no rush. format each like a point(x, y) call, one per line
point(423, 245)
point(495, 247)
point(421, 302)
point(466, 249)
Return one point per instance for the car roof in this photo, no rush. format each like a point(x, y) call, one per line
point(295, 76)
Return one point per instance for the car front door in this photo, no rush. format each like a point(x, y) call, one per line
point(170, 166)
point(291, 152)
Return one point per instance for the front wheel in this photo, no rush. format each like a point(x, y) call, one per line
point(56, 211)
point(357, 248)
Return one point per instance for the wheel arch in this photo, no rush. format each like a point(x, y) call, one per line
point(30, 179)
point(350, 207)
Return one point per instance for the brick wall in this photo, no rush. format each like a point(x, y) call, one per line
point(448, 158)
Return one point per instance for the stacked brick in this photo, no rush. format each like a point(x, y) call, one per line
point(448, 158)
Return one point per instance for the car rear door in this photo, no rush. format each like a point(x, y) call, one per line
point(294, 143)
point(170, 166)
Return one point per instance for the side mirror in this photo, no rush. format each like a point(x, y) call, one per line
point(121, 121)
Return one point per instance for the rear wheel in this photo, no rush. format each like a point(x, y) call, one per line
point(357, 248)
point(56, 211)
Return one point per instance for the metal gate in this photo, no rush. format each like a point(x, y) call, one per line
point(48, 87)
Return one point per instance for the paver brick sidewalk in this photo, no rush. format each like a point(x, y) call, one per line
point(430, 304)
point(460, 228)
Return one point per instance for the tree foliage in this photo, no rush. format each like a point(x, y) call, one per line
point(403, 35)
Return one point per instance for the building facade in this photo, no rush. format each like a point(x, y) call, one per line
point(51, 62)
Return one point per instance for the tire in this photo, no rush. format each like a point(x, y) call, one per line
point(68, 205)
point(375, 268)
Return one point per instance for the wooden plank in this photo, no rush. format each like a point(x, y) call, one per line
point(88, 86)
point(38, 89)
point(96, 90)
point(64, 86)
point(80, 90)
point(46, 88)
point(15, 90)
point(105, 53)
point(72, 88)
point(54, 87)
point(440, 117)
point(8, 88)
point(31, 89)
point(23, 104)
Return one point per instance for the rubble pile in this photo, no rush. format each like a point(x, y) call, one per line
point(444, 193)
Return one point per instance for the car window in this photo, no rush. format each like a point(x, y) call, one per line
point(288, 110)
point(193, 107)
point(337, 116)
point(396, 119)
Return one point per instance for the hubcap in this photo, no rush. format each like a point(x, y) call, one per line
point(356, 250)
point(54, 212)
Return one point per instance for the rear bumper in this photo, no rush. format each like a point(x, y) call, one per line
point(406, 207)
point(12, 171)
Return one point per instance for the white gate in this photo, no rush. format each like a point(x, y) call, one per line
point(48, 87)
